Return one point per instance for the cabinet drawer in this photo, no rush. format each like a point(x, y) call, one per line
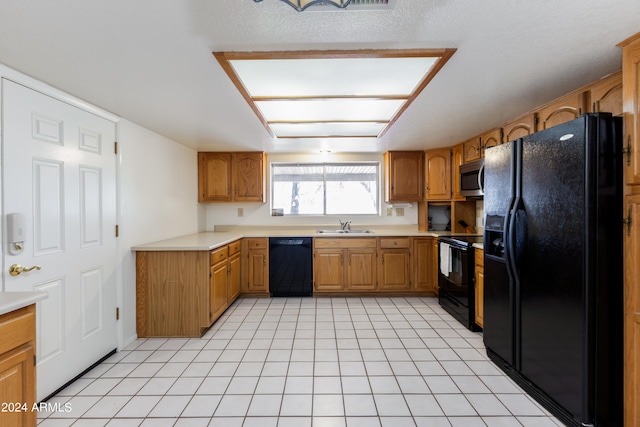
point(394, 242)
point(17, 328)
point(345, 242)
point(218, 255)
point(257, 243)
point(234, 247)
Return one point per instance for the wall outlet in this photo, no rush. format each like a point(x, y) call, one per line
point(399, 211)
point(240, 212)
point(389, 211)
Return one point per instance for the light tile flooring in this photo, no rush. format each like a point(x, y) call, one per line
point(302, 362)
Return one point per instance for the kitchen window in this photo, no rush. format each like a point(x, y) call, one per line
point(325, 188)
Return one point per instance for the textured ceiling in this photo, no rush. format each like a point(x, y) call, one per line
point(150, 61)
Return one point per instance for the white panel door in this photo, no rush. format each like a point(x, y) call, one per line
point(58, 170)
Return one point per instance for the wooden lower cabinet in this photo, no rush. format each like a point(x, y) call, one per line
point(181, 293)
point(479, 286)
point(393, 268)
point(383, 264)
point(425, 275)
point(344, 264)
point(219, 283)
point(329, 274)
point(235, 274)
point(632, 311)
point(361, 269)
point(17, 367)
point(255, 277)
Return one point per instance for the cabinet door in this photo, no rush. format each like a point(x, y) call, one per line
point(361, 271)
point(214, 177)
point(631, 107)
point(562, 110)
point(434, 264)
point(523, 126)
point(606, 95)
point(472, 150)
point(403, 176)
point(248, 177)
point(632, 312)
point(490, 139)
point(457, 160)
point(329, 272)
point(17, 386)
point(234, 278)
point(258, 270)
point(218, 293)
point(394, 270)
point(422, 259)
point(438, 174)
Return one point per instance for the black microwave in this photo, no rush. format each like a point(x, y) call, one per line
point(472, 179)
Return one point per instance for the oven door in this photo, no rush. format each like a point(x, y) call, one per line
point(455, 284)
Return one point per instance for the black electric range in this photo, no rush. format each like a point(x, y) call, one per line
point(456, 275)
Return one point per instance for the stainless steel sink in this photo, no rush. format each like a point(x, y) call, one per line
point(343, 231)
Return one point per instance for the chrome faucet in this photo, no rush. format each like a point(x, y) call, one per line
point(345, 225)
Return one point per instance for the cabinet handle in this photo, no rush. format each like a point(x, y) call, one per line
point(264, 261)
point(349, 259)
point(382, 259)
point(342, 260)
point(235, 189)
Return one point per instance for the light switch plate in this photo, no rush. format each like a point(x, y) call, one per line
point(240, 211)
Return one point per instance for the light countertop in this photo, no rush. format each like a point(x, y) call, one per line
point(224, 235)
point(10, 301)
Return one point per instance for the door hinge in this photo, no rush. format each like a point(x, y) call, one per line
point(627, 221)
point(117, 313)
point(627, 150)
point(117, 231)
point(115, 147)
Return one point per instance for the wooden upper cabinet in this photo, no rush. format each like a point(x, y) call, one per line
point(562, 110)
point(457, 157)
point(606, 95)
point(214, 177)
point(631, 107)
point(520, 127)
point(438, 174)
point(490, 139)
point(231, 177)
point(472, 149)
point(248, 177)
point(403, 176)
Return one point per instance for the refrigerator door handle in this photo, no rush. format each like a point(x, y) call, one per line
point(517, 239)
point(512, 255)
point(508, 246)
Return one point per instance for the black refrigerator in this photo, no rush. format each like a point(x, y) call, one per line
point(553, 298)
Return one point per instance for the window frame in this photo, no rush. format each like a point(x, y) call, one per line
point(324, 164)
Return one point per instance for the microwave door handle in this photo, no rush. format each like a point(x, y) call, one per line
point(481, 178)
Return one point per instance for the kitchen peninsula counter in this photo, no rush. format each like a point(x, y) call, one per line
point(11, 301)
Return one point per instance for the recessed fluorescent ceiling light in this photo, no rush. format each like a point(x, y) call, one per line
point(331, 94)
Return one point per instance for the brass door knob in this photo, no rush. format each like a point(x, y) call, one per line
point(16, 269)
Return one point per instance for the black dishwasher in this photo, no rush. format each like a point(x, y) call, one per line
point(290, 266)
